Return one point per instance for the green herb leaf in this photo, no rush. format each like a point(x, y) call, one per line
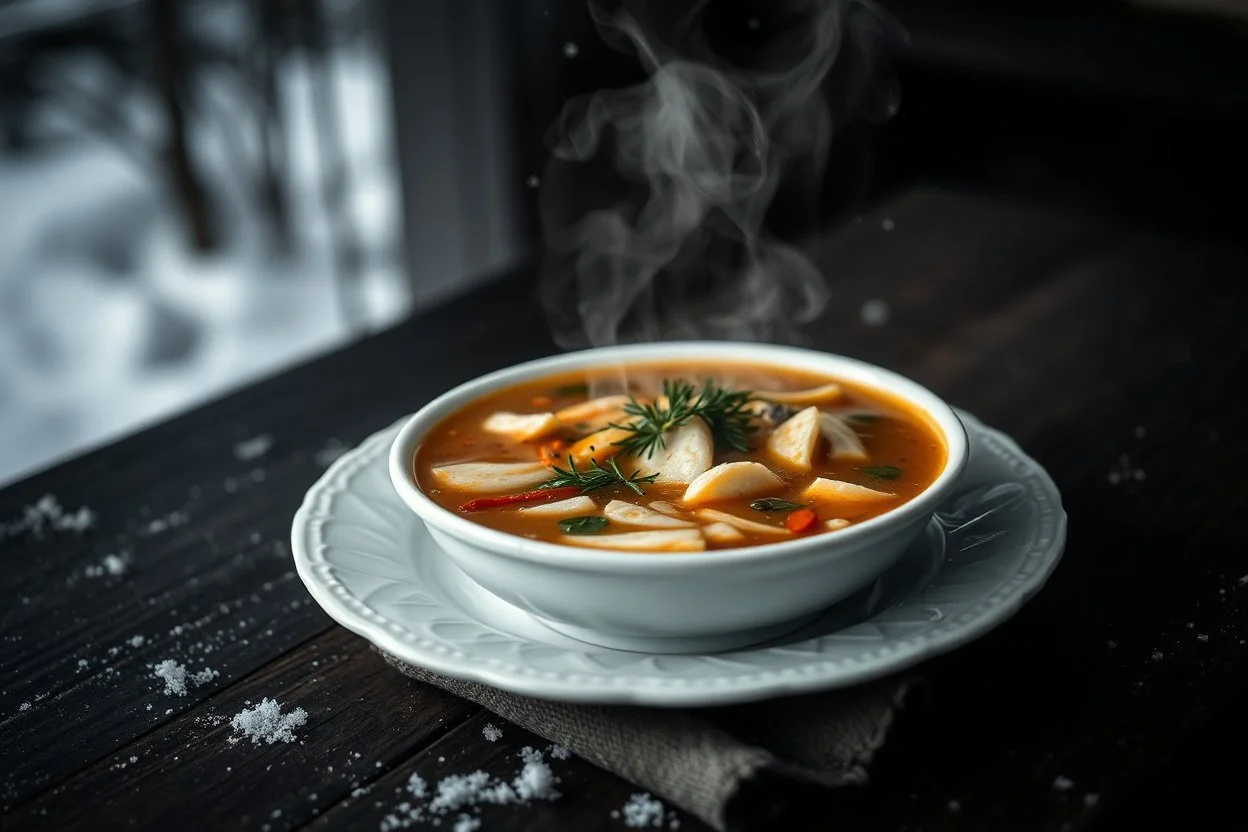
point(596, 477)
point(883, 472)
point(864, 418)
point(774, 504)
point(589, 524)
point(723, 411)
point(572, 390)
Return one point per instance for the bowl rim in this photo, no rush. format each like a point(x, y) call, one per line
point(407, 441)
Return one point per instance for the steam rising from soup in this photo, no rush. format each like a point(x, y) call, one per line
point(655, 198)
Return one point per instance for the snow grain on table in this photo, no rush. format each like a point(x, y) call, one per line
point(266, 723)
point(252, 449)
point(44, 516)
point(464, 794)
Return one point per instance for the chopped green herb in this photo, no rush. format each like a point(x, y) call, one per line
point(865, 418)
point(572, 390)
point(883, 472)
point(589, 524)
point(774, 504)
point(723, 411)
point(596, 477)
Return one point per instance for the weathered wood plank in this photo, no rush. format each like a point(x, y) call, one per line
point(587, 798)
point(363, 720)
point(219, 577)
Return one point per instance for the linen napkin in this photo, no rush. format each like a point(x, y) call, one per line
point(735, 767)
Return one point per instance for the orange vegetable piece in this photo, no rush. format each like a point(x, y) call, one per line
point(552, 452)
point(598, 446)
point(542, 401)
point(800, 520)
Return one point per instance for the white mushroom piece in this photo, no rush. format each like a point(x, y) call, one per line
point(793, 443)
point(561, 508)
point(720, 532)
point(837, 491)
point(491, 477)
point(665, 540)
point(825, 394)
point(715, 516)
point(732, 479)
point(520, 427)
point(686, 454)
point(628, 514)
point(597, 413)
point(843, 441)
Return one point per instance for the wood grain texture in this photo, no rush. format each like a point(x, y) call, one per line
point(1102, 350)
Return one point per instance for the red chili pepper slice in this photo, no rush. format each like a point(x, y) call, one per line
point(541, 495)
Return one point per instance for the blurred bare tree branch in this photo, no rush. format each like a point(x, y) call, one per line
point(170, 58)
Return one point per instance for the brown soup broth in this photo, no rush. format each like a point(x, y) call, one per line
point(895, 434)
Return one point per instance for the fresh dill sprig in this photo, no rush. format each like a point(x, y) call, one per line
point(722, 409)
point(596, 477)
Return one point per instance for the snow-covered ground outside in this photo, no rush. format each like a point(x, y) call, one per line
point(109, 322)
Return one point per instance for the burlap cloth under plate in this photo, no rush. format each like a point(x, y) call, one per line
point(737, 767)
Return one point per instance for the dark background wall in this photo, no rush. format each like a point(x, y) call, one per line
point(1138, 108)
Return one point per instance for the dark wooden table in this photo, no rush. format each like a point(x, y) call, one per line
point(1112, 699)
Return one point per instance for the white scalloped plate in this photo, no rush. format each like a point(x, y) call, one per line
point(367, 559)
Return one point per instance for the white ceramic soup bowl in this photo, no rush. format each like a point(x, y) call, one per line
point(682, 601)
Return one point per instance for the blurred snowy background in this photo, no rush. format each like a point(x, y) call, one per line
point(192, 195)
point(198, 193)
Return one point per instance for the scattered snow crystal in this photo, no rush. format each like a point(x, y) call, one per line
point(204, 676)
point(328, 454)
point(267, 723)
point(459, 790)
point(533, 181)
point(467, 823)
point(571, 50)
point(874, 312)
point(492, 732)
point(174, 676)
point(642, 810)
point(115, 565)
point(456, 792)
point(559, 752)
point(888, 224)
point(1063, 784)
point(535, 782)
point(254, 448)
point(164, 524)
point(1125, 472)
point(47, 513)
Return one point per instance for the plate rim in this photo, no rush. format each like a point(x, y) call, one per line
point(983, 615)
